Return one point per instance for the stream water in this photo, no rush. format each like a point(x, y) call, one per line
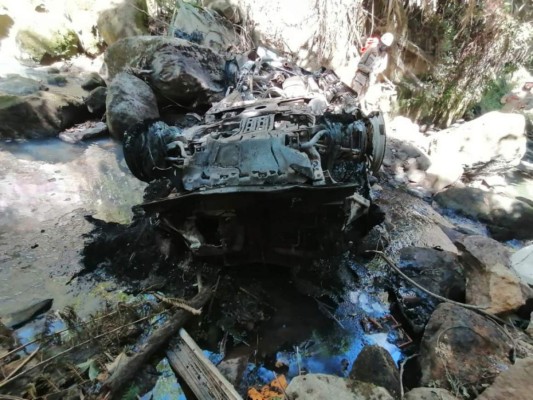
point(47, 187)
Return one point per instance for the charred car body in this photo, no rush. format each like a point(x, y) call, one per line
point(276, 172)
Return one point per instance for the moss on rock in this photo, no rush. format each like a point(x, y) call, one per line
point(48, 44)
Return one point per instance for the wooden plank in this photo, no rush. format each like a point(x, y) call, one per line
point(203, 378)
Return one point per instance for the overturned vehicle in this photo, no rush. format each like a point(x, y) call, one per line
point(276, 172)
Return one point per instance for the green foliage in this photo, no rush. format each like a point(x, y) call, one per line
point(470, 44)
point(493, 93)
point(132, 393)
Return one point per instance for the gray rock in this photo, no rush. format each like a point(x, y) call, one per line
point(423, 393)
point(522, 264)
point(20, 86)
point(122, 19)
point(178, 70)
point(39, 115)
point(57, 80)
point(320, 387)
point(460, 347)
point(202, 26)
point(506, 217)
point(375, 365)
point(491, 281)
point(515, 383)
point(129, 100)
point(92, 81)
point(96, 100)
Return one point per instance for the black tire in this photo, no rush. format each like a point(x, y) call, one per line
point(145, 150)
point(379, 142)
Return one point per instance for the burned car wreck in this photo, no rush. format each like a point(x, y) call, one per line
point(276, 172)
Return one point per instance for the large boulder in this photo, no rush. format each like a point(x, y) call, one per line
point(375, 365)
point(202, 26)
point(122, 19)
point(320, 386)
point(38, 115)
point(522, 264)
point(506, 217)
point(463, 349)
point(515, 383)
point(491, 281)
point(129, 101)
point(179, 71)
point(495, 141)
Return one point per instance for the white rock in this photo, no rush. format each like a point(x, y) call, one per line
point(522, 264)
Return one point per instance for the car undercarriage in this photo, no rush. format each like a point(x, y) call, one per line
point(276, 172)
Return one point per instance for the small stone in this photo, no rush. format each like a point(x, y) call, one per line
point(423, 393)
point(375, 365)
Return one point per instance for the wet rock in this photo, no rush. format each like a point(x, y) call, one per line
point(320, 386)
point(202, 26)
point(39, 115)
point(506, 217)
point(438, 271)
point(515, 383)
point(522, 264)
point(19, 318)
point(57, 80)
point(375, 365)
point(87, 131)
point(96, 101)
point(178, 70)
point(491, 281)
point(423, 393)
point(92, 81)
point(493, 142)
point(462, 348)
point(20, 86)
point(122, 19)
point(129, 100)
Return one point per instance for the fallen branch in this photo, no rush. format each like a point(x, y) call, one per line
point(155, 342)
point(179, 303)
point(44, 362)
point(43, 339)
point(21, 365)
